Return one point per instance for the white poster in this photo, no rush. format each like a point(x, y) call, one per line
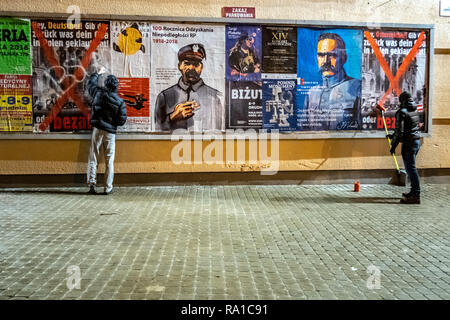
point(188, 77)
point(130, 44)
point(130, 54)
point(444, 8)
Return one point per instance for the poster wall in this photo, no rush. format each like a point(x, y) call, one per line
point(64, 56)
point(15, 46)
point(188, 77)
point(201, 77)
point(329, 79)
point(243, 76)
point(130, 63)
point(393, 62)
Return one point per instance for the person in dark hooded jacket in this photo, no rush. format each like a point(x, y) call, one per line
point(407, 132)
point(108, 112)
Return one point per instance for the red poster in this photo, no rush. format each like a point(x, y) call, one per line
point(135, 92)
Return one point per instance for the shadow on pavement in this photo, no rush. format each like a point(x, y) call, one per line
point(335, 199)
point(370, 200)
point(79, 192)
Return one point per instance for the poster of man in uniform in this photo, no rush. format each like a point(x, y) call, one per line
point(329, 79)
point(393, 62)
point(15, 75)
point(243, 75)
point(187, 79)
point(130, 63)
point(65, 54)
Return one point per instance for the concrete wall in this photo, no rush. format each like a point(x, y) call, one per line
point(146, 156)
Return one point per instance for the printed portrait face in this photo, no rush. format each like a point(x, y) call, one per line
point(330, 57)
point(248, 42)
point(190, 70)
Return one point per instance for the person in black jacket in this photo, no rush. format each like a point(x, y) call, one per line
point(108, 112)
point(407, 132)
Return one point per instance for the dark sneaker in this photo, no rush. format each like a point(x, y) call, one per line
point(92, 189)
point(406, 195)
point(411, 200)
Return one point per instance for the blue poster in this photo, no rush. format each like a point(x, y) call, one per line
point(243, 53)
point(329, 79)
point(279, 104)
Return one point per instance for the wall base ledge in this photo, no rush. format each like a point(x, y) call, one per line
point(382, 176)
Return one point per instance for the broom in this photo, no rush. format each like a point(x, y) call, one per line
point(399, 178)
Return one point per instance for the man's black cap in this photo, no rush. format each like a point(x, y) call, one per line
point(194, 51)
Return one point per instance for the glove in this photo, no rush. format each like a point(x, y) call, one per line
point(390, 136)
point(102, 70)
point(392, 151)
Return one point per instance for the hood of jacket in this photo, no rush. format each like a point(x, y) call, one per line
point(406, 101)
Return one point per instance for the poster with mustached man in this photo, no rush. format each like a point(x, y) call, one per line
point(65, 54)
point(130, 55)
point(187, 77)
point(329, 79)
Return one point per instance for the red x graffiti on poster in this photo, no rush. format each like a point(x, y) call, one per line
point(394, 79)
point(68, 82)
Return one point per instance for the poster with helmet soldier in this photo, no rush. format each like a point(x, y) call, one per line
point(130, 55)
point(187, 77)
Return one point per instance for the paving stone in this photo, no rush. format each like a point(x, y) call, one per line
point(225, 242)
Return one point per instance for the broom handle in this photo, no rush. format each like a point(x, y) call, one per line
point(389, 140)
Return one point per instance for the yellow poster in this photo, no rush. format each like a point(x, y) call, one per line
point(15, 103)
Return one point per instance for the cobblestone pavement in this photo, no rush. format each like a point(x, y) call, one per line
point(225, 242)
